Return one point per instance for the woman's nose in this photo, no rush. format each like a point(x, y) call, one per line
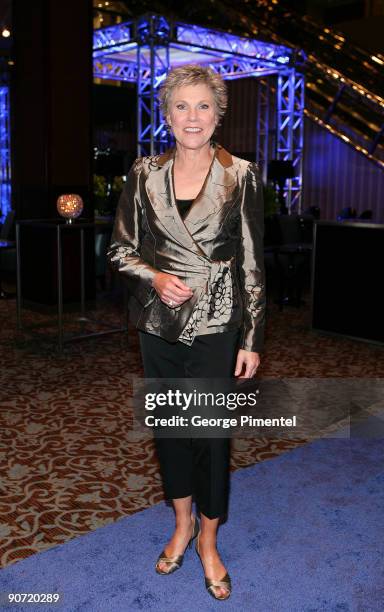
point(192, 114)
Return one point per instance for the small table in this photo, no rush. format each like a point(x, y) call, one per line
point(5, 244)
point(59, 228)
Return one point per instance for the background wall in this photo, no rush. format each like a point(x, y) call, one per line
point(334, 174)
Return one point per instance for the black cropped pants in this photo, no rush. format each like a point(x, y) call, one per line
point(193, 466)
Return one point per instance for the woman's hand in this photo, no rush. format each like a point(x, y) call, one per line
point(249, 360)
point(170, 289)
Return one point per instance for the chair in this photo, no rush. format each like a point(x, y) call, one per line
point(292, 257)
point(366, 214)
point(289, 228)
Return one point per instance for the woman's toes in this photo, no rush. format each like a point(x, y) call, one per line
point(220, 592)
point(163, 566)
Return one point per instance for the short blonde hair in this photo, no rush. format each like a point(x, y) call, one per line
point(192, 74)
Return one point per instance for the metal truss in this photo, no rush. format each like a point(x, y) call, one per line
point(234, 68)
point(115, 71)
point(152, 66)
point(112, 37)
point(5, 156)
point(224, 43)
point(290, 132)
point(160, 43)
point(262, 126)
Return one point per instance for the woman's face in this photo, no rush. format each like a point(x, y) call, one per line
point(192, 115)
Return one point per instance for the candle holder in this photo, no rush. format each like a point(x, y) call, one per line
point(70, 206)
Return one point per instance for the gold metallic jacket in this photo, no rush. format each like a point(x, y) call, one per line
point(217, 249)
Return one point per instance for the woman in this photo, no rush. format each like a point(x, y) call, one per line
point(188, 238)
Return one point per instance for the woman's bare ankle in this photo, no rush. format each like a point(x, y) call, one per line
point(184, 522)
point(208, 540)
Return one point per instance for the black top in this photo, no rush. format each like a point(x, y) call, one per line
point(184, 206)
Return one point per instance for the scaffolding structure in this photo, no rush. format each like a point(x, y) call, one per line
point(142, 51)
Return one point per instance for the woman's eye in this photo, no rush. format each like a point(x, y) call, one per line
point(180, 106)
point(204, 106)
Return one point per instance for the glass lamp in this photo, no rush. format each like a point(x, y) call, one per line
point(69, 206)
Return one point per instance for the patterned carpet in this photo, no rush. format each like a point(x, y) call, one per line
point(70, 462)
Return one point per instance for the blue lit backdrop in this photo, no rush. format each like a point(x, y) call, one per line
point(5, 159)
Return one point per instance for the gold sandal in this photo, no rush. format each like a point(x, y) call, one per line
point(176, 561)
point(210, 584)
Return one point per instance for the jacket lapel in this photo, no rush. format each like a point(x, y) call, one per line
point(161, 196)
point(216, 190)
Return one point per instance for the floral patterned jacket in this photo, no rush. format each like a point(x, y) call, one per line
point(216, 249)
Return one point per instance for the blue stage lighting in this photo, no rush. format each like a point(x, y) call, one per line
point(5, 154)
point(143, 50)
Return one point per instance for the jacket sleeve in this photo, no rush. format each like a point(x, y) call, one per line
point(124, 250)
point(250, 261)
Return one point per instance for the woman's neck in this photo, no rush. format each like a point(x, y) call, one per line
point(194, 158)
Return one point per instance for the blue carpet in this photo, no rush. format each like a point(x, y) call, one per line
point(305, 534)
